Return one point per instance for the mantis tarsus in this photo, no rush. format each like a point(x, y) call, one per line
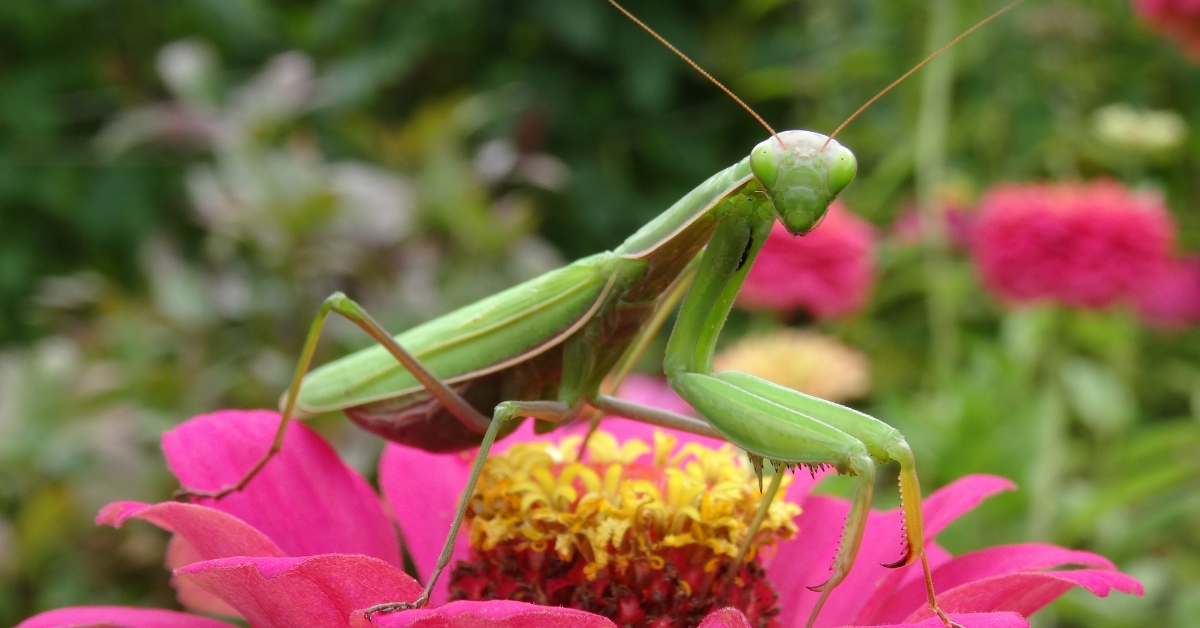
point(544, 349)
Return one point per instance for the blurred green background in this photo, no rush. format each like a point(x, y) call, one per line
point(181, 183)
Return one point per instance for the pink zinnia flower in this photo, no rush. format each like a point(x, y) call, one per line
point(1170, 298)
point(1179, 20)
point(308, 543)
point(957, 220)
point(1086, 245)
point(827, 272)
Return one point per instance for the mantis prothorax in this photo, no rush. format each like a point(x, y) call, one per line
point(544, 349)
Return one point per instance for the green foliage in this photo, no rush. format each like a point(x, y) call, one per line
point(168, 225)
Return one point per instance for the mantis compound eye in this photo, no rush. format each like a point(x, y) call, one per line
point(764, 164)
point(842, 167)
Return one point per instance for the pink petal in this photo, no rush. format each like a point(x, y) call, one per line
point(423, 491)
point(1170, 298)
point(797, 493)
point(986, 563)
point(940, 509)
point(803, 483)
point(1087, 245)
point(119, 617)
point(653, 391)
point(498, 614)
point(317, 591)
point(806, 560)
point(959, 497)
point(877, 583)
point(210, 532)
point(306, 499)
point(1027, 592)
point(192, 596)
point(971, 620)
point(725, 618)
point(828, 272)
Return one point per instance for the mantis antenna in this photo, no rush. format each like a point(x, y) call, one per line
point(920, 65)
point(699, 69)
point(854, 115)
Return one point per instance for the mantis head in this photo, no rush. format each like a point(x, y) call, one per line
point(802, 172)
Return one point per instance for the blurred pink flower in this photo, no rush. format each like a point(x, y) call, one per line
point(1170, 298)
point(1179, 20)
point(958, 221)
point(308, 543)
point(1086, 245)
point(827, 272)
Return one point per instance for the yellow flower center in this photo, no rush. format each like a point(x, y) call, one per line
point(640, 541)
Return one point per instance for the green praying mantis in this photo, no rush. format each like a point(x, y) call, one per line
point(553, 348)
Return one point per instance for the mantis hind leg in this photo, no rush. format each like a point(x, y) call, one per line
point(340, 304)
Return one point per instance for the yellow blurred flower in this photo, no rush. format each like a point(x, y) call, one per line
point(801, 360)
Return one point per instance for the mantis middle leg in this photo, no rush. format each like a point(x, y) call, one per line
point(625, 366)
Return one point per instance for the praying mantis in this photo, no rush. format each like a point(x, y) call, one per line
point(551, 348)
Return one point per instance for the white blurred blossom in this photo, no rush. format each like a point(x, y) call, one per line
point(1143, 130)
point(268, 198)
point(543, 171)
point(376, 205)
point(189, 70)
point(499, 159)
point(282, 90)
point(495, 160)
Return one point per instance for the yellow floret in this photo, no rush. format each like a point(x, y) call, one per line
point(612, 510)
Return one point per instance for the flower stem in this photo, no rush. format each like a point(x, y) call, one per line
point(1048, 465)
point(930, 171)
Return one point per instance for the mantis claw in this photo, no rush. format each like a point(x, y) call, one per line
point(392, 607)
point(183, 494)
point(904, 560)
point(950, 623)
point(819, 588)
